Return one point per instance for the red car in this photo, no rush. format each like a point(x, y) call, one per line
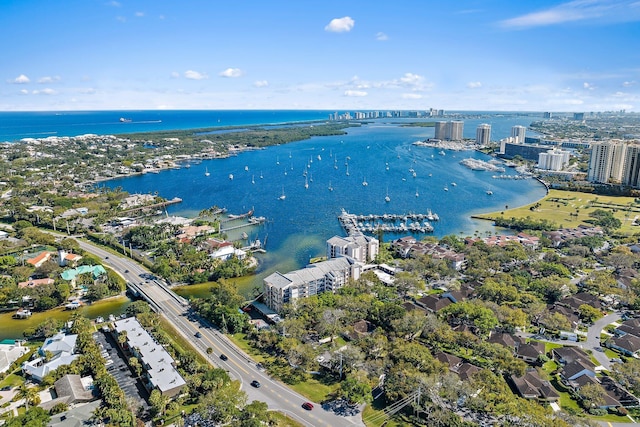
point(307, 405)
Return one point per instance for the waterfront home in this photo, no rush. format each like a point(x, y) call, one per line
point(71, 274)
point(10, 351)
point(326, 276)
point(159, 368)
point(71, 390)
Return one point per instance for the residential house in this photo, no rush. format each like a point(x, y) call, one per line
point(409, 247)
point(532, 386)
point(565, 355)
point(627, 344)
point(508, 340)
point(576, 300)
point(609, 400)
point(159, 368)
point(563, 235)
point(573, 370)
point(433, 303)
point(456, 365)
point(359, 329)
point(531, 351)
point(629, 326)
point(71, 390)
point(39, 259)
point(56, 351)
point(10, 351)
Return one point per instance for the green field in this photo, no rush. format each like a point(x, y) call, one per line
point(570, 209)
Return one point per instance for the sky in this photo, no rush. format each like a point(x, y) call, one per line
point(494, 55)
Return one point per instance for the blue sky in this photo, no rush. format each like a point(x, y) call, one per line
point(580, 55)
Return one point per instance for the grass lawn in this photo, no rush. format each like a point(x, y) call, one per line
point(284, 420)
point(565, 397)
point(314, 389)
point(178, 341)
point(612, 418)
point(240, 340)
point(570, 209)
point(12, 380)
point(548, 368)
point(373, 417)
point(548, 346)
point(610, 353)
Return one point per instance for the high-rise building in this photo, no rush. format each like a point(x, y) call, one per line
point(518, 133)
point(631, 169)
point(455, 130)
point(440, 130)
point(483, 134)
point(606, 162)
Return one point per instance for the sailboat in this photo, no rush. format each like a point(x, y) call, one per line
point(261, 175)
point(277, 160)
point(206, 172)
point(330, 186)
point(335, 163)
point(347, 169)
point(387, 198)
point(282, 197)
point(253, 181)
point(417, 194)
point(364, 182)
point(310, 177)
point(306, 183)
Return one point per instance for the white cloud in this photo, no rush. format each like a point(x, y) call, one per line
point(355, 93)
point(194, 75)
point(21, 79)
point(599, 11)
point(588, 86)
point(340, 25)
point(175, 75)
point(46, 91)
point(261, 83)
point(113, 4)
point(139, 14)
point(411, 96)
point(87, 91)
point(411, 79)
point(628, 84)
point(24, 91)
point(231, 72)
point(474, 85)
point(121, 19)
point(382, 37)
point(48, 79)
point(571, 101)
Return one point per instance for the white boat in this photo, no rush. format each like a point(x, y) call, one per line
point(446, 189)
point(387, 198)
point(277, 160)
point(253, 181)
point(246, 168)
point(231, 176)
point(347, 170)
point(330, 186)
point(124, 120)
point(417, 194)
point(364, 182)
point(319, 158)
point(306, 183)
point(489, 192)
point(442, 153)
point(335, 163)
point(282, 197)
point(453, 184)
point(261, 175)
point(310, 177)
point(206, 172)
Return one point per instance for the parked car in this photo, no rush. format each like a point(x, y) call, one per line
point(307, 405)
point(255, 384)
point(198, 335)
point(223, 357)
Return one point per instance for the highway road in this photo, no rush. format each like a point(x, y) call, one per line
point(239, 365)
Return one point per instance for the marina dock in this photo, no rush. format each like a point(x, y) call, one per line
point(391, 223)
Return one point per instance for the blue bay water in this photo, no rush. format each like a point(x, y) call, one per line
point(298, 226)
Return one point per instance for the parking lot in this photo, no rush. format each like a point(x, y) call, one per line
point(117, 366)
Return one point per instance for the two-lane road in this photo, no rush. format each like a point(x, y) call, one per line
point(239, 365)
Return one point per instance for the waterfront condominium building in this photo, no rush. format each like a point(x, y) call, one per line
point(518, 133)
point(440, 131)
point(553, 160)
point(325, 276)
point(483, 134)
point(606, 162)
point(455, 130)
point(357, 246)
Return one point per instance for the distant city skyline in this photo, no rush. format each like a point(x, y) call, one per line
point(495, 55)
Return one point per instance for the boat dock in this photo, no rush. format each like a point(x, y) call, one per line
point(254, 220)
point(390, 223)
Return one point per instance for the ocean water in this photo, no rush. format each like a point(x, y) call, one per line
point(298, 226)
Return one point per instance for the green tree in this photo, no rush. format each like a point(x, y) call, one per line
point(589, 314)
point(356, 388)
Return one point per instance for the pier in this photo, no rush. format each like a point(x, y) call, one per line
point(256, 220)
point(390, 223)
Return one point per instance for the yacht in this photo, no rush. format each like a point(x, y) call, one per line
point(231, 177)
point(453, 184)
point(446, 189)
point(364, 182)
point(489, 192)
point(246, 168)
point(282, 197)
point(387, 198)
point(206, 172)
